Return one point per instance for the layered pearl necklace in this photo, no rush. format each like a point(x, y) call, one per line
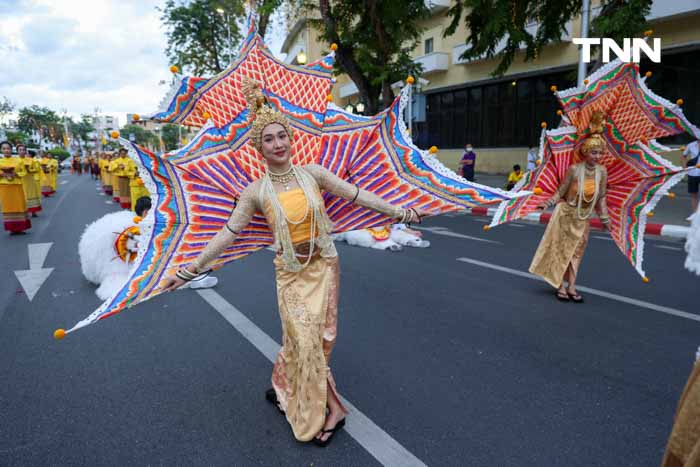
point(284, 178)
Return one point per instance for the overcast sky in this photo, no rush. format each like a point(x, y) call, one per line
point(82, 54)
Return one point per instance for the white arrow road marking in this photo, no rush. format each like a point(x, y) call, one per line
point(108, 202)
point(63, 182)
point(33, 278)
point(447, 233)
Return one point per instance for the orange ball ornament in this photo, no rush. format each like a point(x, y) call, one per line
point(648, 32)
point(648, 74)
point(433, 149)
point(560, 113)
point(585, 81)
point(553, 88)
point(538, 162)
point(136, 117)
point(137, 219)
point(543, 124)
point(206, 115)
point(329, 98)
point(672, 195)
point(174, 69)
point(334, 47)
point(645, 279)
point(114, 134)
point(679, 102)
point(410, 80)
point(59, 334)
point(487, 228)
point(537, 191)
point(650, 214)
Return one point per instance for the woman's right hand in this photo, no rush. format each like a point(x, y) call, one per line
point(171, 283)
point(541, 206)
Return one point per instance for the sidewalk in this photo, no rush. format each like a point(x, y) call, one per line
point(669, 215)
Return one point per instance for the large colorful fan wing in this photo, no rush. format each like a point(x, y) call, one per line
point(637, 175)
point(187, 212)
point(376, 154)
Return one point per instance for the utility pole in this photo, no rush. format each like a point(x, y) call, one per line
point(585, 15)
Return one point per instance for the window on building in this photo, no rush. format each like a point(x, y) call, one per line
point(429, 45)
point(495, 114)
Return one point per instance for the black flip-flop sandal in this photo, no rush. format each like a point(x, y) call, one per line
point(271, 397)
point(576, 298)
point(332, 431)
point(562, 296)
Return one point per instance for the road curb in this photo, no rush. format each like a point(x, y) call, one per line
point(661, 230)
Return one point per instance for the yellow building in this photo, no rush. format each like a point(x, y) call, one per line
point(458, 101)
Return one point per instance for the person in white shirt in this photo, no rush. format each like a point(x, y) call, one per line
point(691, 159)
point(532, 158)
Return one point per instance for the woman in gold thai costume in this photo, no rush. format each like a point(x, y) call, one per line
point(15, 216)
point(306, 265)
point(583, 190)
point(32, 191)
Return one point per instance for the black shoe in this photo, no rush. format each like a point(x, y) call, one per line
point(271, 397)
point(332, 431)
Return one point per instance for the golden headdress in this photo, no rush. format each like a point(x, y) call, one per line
point(595, 140)
point(261, 112)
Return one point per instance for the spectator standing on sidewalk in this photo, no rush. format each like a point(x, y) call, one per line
point(468, 162)
point(691, 159)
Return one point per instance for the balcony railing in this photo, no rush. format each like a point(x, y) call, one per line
point(437, 6)
point(433, 62)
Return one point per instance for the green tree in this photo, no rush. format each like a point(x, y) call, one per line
point(15, 137)
point(81, 130)
point(42, 119)
point(140, 134)
point(60, 152)
point(375, 40)
point(198, 34)
point(490, 22)
point(171, 138)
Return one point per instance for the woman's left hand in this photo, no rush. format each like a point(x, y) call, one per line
point(417, 215)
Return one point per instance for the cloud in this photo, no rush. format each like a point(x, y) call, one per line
point(82, 54)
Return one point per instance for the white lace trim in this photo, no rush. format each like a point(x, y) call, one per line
point(432, 161)
point(145, 226)
point(641, 228)
point(167, 99)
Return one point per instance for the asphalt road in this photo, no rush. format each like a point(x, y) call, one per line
point(457, 363)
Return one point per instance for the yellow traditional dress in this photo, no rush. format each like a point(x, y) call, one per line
point(32, 192)
point(53, 180)
point(137, 189)
point(683, 449)
point(15, 216)
point(46, 177)
point(566, 236)
point(307, 276)
point(106, 176)
point(37, 175)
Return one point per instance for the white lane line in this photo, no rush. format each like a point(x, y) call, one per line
point(109, 202)
point(483, 221)
point(600, 293)
point(519, 226)
point(674, 248)
point(603, 238)
point(63, 182)
point(446, 232)
point(376, 441)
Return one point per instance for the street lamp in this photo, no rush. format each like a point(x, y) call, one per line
point(360, 107)
point(224, 15)
point(301, 58)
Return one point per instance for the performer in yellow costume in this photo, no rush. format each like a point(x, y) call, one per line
point(45, 175)
point(119, 168)
point(36, 157)
point(53, 166)
point(307, 270)
point(683, 448)
point(105, 174)
point(560, 252)
point(137, 189)
point(15, 217)
point(32, 192)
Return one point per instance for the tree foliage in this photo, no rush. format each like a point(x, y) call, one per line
point(140, 135)
point(60, 152)
point(81, 129)
point(197, 33)
point(171, 137)
point(6, 107)
point(42, 119)
point(15, 137)
point(375, 40)
point(491, 23)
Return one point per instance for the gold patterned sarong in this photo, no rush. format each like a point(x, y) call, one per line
point(308, 306)
point(563, 243)
point(683, 448)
